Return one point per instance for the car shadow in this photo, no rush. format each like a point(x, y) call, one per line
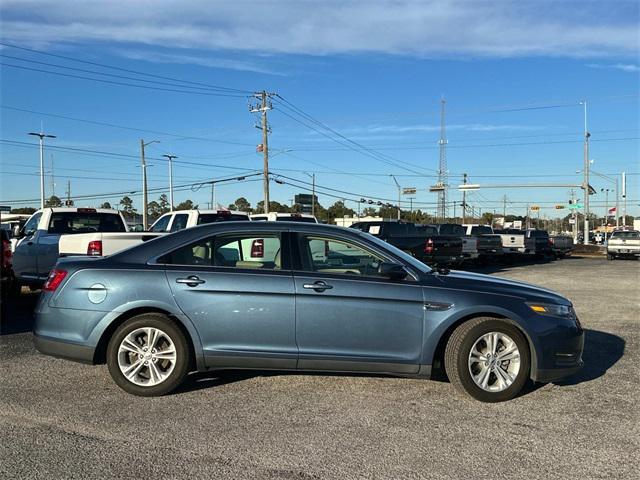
point(16, 313)
point(602, 351)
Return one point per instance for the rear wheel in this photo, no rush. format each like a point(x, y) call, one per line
point(148, 355)
point(489, 359)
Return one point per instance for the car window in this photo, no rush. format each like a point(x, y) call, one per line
point(327, 255)
point(258, 252)
point(451, 229)
point(179, 222)
point(630, 235)
point(161, 224)
point(32, 224)
point(220, 217)
point(481, 230)
point(85, 222)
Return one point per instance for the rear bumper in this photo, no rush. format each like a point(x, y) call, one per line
point(60, 349)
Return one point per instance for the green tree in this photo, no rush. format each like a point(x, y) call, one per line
point(53, 201)
point(275, 207)
point(127, 207)
point(23, 210)
point(370, 212)
point(163, 204)
point(186, 205)
point(154, 209)
point(339, 210)
point(241, 204)
point(105, 205)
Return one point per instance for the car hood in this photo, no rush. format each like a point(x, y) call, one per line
point(488, 284)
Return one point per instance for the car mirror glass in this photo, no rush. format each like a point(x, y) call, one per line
point(393, 271)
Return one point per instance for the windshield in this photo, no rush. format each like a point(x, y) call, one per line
point(626, 235)
point(417, 264)
point(481, 230)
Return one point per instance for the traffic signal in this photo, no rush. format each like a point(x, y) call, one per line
point(560, 207)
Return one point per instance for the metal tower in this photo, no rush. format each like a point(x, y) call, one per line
point(442, 168)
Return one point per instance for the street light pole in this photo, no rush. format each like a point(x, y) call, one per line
point(585, 182)
point(399, 194)
point(171, 157)
point(41, 137)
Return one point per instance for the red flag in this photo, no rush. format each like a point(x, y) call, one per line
point(612, 211)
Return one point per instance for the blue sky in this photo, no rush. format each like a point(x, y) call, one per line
point(513, 74)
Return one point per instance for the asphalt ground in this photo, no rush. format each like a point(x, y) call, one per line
point(60, 419)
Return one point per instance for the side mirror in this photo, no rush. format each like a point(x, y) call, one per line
point(393, 271)
point(17, 232)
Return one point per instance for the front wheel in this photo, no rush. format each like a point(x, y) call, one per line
point(148, 355)
point(489, 359)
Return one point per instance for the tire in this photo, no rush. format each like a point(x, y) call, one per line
point(459, 362)
point(610, 257)
point(150, 376)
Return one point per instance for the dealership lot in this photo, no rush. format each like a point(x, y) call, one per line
point(67, 420)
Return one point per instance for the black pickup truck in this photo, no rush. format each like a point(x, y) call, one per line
point(421, 241)
point(489, 244)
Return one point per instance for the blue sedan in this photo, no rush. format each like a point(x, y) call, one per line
point(304, 297)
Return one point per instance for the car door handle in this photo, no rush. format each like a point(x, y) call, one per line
point(190, 281)
point(318, 286)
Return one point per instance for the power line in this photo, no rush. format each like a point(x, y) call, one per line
point(112, 82)
point(113, 125)
point(137, 72)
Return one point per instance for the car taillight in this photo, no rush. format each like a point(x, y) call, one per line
point(428, 246)
point(95, 248)
point(257, 248)
point(6, 253)
point(55, 279)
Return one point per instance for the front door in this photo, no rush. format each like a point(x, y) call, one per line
point(25, 260)
point(350, 318)
point(240, 296)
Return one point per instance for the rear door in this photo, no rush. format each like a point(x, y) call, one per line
point(25, 259)
point(238, 291)
point(348, 317)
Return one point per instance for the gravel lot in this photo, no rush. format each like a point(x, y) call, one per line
point(59, 419)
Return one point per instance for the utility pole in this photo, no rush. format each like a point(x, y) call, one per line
point(263, 108)
point(313, 194)
point(585, 182)
point(399, 193)
point(504, 207)
point(606, 207)
point(145, 199)
point(213, 195)
point(68, 202)
point(464, 200)
point(171, 157)
point(574, 216)
point(442, 165)
point(41, 136)
point(624, 199)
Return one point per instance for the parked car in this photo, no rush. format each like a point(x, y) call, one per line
point(100, 244)
point(284, 217)
point(327, 299)
point(489, 244)
point(513, 241)
point(7, 278)
point(37, 249)
point(181, 219)
point(469, 243)
point(422, 241)
point(561, 245)
point(623, 244)
point(537, 242)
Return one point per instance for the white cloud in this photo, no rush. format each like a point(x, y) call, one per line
point(502, 28)
point(203, 61)
point(625, 67)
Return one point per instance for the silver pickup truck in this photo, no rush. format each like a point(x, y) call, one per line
point(623, 244)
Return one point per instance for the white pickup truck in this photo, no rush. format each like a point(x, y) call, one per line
point(513, 241)
point(39, 239)
point(623, 243)
point(102, 244)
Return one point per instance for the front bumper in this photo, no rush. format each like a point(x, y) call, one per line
point(560, 351)
point(60, 349)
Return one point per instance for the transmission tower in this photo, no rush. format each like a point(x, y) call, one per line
point(442, 168)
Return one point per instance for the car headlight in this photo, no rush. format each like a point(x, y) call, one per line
point(553, 310)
